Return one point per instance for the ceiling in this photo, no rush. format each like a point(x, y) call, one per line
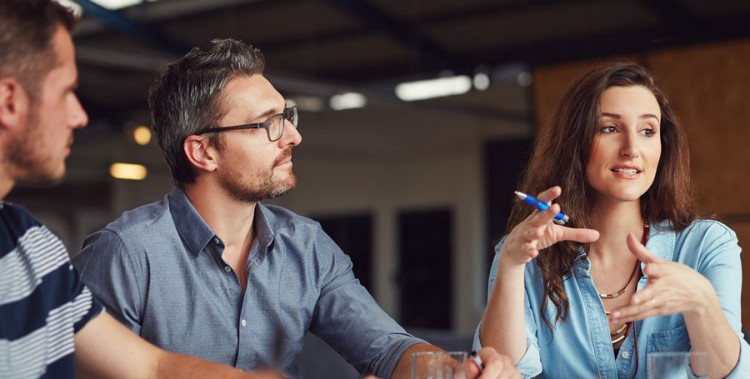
point(318, 48)
point(323, 47)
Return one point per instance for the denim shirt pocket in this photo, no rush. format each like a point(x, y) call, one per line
point(669, 340)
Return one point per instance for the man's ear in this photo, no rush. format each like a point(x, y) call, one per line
point(200, 153)
point(14, 103)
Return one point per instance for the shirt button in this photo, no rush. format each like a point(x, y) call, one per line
point(227, 268)
point(244, 322)
point(626, 354)
point(216, 240)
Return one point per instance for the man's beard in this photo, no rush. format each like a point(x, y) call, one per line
point(261, 189)
point(23, 156)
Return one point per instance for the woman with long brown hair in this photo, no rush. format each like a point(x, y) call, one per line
point(588, 299)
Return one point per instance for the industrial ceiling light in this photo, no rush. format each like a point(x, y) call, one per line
point(482, 78)
point(431, 88)
point(119, 4)
point(347, 100)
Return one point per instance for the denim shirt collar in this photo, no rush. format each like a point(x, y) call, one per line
point(197, 234)
point(661, 243)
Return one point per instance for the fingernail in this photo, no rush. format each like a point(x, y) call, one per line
point(636, 300)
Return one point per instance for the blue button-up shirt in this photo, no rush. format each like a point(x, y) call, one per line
point(159, 270)
point(581, 347)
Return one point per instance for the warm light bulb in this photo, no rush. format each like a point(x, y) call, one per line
point(128, 171)
point(142, 135)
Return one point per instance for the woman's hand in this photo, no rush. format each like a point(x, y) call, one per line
point(672, 288)
point(538, 231)
point(494, 366)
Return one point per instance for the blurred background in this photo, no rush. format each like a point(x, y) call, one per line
point(417, 117)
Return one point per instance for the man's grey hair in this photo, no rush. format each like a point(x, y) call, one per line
point(185, 97)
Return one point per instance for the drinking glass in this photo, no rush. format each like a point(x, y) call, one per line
point(438, 365)
point(677, 365)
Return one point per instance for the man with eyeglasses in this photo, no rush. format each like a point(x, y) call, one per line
point(210, 270)
point(50, 324)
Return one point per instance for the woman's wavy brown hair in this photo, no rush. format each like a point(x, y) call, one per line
point(561, 153)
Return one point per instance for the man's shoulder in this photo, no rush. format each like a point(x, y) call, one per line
point(134, 235)
point(19, 226)
point(143, 219)
point(17, 215)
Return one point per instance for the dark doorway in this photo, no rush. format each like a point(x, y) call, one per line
point(353, 234)
point(425, 268)
point(504, 162)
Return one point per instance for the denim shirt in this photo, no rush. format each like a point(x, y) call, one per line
point(158, 269)
point(581, 346)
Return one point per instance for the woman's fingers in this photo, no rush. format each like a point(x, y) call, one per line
point(544, 218)
point(578, 234)
point(549, 194)
point(637, 312)
point(642, 304)
point(640, 251)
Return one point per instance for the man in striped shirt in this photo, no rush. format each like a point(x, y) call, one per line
point(50, 325)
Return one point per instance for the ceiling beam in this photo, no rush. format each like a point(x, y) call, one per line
point(560, 50)
point(405, 33)
point(152, 12)
point(132, 28)
point(677, 21)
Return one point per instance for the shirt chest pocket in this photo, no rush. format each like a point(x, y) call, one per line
point(670, 340)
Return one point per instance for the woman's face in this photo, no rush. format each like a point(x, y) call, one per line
point(627, 147)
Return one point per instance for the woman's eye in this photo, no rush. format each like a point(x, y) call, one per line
point(608, 129)
point(648, 132)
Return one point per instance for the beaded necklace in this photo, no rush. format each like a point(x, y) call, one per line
point(620, 333)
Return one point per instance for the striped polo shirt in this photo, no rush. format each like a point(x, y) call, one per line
point(42, 301)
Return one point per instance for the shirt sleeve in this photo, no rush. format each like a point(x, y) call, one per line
point(720, 263)
point(348, 318)
point(107, 268)
point(86, 302)
point(530, 364)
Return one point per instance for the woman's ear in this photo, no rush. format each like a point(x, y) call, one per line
point(200, 153)
point(14, 103)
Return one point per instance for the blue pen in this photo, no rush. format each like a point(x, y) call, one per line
point(560, 218)
point(478, 360)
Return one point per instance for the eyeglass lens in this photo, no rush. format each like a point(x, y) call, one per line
point(276, 123)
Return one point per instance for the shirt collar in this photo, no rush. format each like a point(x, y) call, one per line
point(197, 234)
point(190, 225)
point(265, 221)
point(661, 242)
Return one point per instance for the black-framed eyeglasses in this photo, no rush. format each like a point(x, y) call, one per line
point(274, 125)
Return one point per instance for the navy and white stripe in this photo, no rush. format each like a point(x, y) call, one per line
point(33, 258)
point(42, 301)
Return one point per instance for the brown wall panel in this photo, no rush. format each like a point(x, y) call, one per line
point(743, 234)
point(710, 89)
